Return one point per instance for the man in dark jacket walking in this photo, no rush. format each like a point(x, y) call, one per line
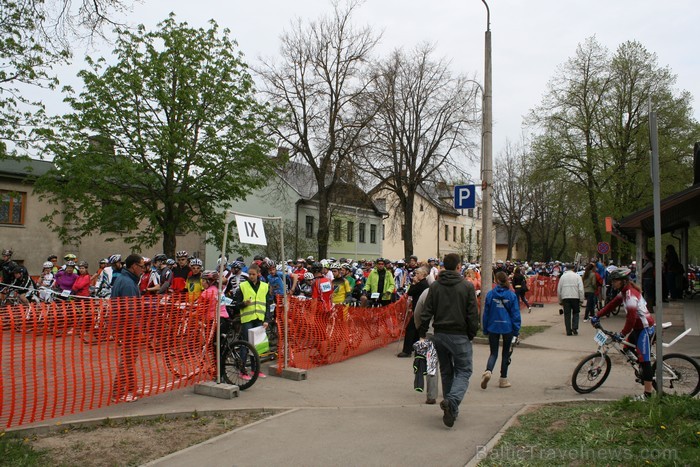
point(451, 303)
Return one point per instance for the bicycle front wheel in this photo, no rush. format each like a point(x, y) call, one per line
point(681, 375)
point(591, 373)
point(240, 364)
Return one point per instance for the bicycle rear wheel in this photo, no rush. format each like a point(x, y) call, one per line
point(591, 373)
point(681, 375)
point(240, 364)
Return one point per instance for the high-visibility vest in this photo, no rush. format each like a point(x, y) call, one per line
point(256, 310)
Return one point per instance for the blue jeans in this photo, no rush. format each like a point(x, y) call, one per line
point(455, 355)
point(494, 341)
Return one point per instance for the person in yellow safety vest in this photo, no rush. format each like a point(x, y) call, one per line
point(253, 300)
point(379, 282)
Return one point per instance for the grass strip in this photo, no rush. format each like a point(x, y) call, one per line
point(660, 431)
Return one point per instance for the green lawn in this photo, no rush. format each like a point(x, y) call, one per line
point(655, 432)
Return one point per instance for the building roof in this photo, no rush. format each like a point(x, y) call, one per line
point(23, 168)
point(300, 177)
point(679, 210)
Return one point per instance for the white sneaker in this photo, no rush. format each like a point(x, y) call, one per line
point(485, 379)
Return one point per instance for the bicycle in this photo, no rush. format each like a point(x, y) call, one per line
point(681, 373)
point(189, 352)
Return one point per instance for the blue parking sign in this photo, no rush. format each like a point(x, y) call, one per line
point(465, 197)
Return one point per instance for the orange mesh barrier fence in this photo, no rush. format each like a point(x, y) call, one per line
point(71, 356)
point(542, 289)
point(320, 337)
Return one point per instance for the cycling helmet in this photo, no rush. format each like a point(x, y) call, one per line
point(69, 257)
point(270, 263)
point(196, 262)
point(7, 252)
point(620, 273)
point(159, 257)
point(83, 264)
point(325, 263)
point(315, 267)
point(170, 262)
point(70, 264)
point(102, 261)
point(47, 264)
point(308, 276)
point(115, 259)
point(301, 260)
point(346, 266)
point(20, 269)
point(335, 266)
point(237, 264)
point(380, 260)
point(182, 254)
point(400, 261)
point(210, 275)
point(146, 260)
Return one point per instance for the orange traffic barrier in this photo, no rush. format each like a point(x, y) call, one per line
point(71, 356)
point(318, 337)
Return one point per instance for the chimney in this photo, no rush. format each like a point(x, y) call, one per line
point(696, 163)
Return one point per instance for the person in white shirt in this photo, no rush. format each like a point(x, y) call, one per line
point(571, 295)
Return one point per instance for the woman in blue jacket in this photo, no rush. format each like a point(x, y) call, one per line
point(501, 318)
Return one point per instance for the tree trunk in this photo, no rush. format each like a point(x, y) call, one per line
point(323, 220)
point(408, 223)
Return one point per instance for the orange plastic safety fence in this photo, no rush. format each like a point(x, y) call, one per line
point(318, 336)
point(542, 289)
point(71, 356)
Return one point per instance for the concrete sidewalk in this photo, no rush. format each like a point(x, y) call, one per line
point(365, 411)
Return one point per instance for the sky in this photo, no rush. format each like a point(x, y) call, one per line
point(530, 39)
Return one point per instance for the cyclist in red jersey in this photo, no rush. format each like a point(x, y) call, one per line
point(181, 272)
point(639, 326)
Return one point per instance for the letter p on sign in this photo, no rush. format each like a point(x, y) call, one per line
point(251, 230)
point(465, 197)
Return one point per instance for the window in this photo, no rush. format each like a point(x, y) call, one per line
point(383, 231)
point(470, 212)
point(421, 207)
point(403, 226)
point(462, 235)
point(12, 206)
point(447, 233)
point(454, 233)
point(478, 213)
point(361, 233)
point(373, 233)
point(477, 237)
point(470, 235)
point(351, 231)
point(309, 227)
point(336, 230)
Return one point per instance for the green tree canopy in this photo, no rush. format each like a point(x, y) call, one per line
point(158, 140)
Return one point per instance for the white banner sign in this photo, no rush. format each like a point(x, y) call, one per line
point(251, 230)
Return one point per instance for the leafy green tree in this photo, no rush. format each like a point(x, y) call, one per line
point(159, 140)
point(594, 129)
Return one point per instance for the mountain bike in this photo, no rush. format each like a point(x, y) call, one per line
point(189, 351)
point(681, 373)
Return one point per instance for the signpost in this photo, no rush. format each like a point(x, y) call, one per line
point(603, 248)
point(465, 197)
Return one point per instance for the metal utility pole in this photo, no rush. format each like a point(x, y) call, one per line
point(656, 183)
point(487, 168)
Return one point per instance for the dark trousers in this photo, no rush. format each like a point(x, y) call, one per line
point(572, 308)
point(590, 305)
point(494, 341)
point(411, 336)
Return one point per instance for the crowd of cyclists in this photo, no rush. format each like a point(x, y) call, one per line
point(333, 281)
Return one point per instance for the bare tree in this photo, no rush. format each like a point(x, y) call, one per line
point(320, 81)
point(424, 116)
point(510, 192)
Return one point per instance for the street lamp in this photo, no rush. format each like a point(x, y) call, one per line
point(487, 167)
